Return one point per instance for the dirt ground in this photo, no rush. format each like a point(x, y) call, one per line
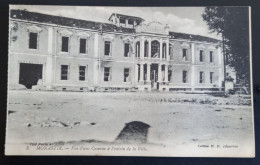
point(173, 119)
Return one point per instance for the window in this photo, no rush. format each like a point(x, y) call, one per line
point(64, 72)
point(126, 74)
point(155, 46)
point(122, 21)
point(130, 22)
point(211, 77)
point(107, 48)
point(65, 44)
point(202, 80)
point(33, 40)
point(137, 49)
point(164, 50)
point(83, 46)
point(201, 56)
point(169, 75)
point(184, 55)
point(127, 49)
point(82, 73)
point(146, 49)
point(211, 56)
point(184, 76)
point(107, 76)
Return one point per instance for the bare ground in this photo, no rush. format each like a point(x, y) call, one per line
point(173, 119)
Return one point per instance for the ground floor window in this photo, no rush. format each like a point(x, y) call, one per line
point(64, 72)
point(126, 74)
point(202, 77)
point(82, 73)
point(184, 76)
point(211, 77)
point(107, 74)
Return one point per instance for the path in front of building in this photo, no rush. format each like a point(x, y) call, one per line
point(170, 118)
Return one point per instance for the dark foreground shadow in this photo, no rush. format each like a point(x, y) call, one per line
point(133, 132)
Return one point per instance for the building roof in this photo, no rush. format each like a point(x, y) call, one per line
point(126, 17)
point(65, 21)
point(106, 27)
point(192, 37)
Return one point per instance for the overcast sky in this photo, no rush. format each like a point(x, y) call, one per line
point(180, 19)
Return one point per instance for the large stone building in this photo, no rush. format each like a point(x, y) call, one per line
point(57, 53)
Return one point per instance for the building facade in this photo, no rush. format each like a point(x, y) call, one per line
point(49, 52)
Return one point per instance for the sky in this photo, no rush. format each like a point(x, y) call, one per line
point(179, 19)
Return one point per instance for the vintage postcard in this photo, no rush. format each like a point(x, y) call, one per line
point(130, 81)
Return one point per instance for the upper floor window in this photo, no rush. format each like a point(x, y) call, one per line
point(184, 76)
point(155, 49)
point(82, 73)
point(83, 45)
point(33, 40)
point(184, 55)
point(201, 56)
point(127, 50)
point(202, 77)
point(64, 72)
point(107, 74)
point(126, 74)
point(211, 56)
point(131, 22)
point(107, 48)
point(64, 44)
point(164, 50)
point(137, 49)
point(146, 48)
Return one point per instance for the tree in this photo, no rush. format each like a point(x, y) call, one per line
point(233, 24)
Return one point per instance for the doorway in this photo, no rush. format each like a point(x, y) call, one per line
point(154, 76)
point(30, 74)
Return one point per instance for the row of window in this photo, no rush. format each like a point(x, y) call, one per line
point(108, 75)
point(83, 73)
point(201, 77)
point(201, 55)
point(155, 48)
point(33, 43)
point(65, 72)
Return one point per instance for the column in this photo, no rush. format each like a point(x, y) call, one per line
point(166, 73)
point(192, 53)
point(142, 49)
point(96, 65)
point(48, 72)
point(50, 39)
point(161, 47)
point(136, 73)
point(159, 72)
point(193, 74)
point(148, 73)
point(167, 51)
point(141, 73)
point(149, 48)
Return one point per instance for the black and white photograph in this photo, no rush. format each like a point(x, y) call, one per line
point(130, 81)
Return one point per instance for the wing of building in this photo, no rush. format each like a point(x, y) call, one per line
point(49, 52)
